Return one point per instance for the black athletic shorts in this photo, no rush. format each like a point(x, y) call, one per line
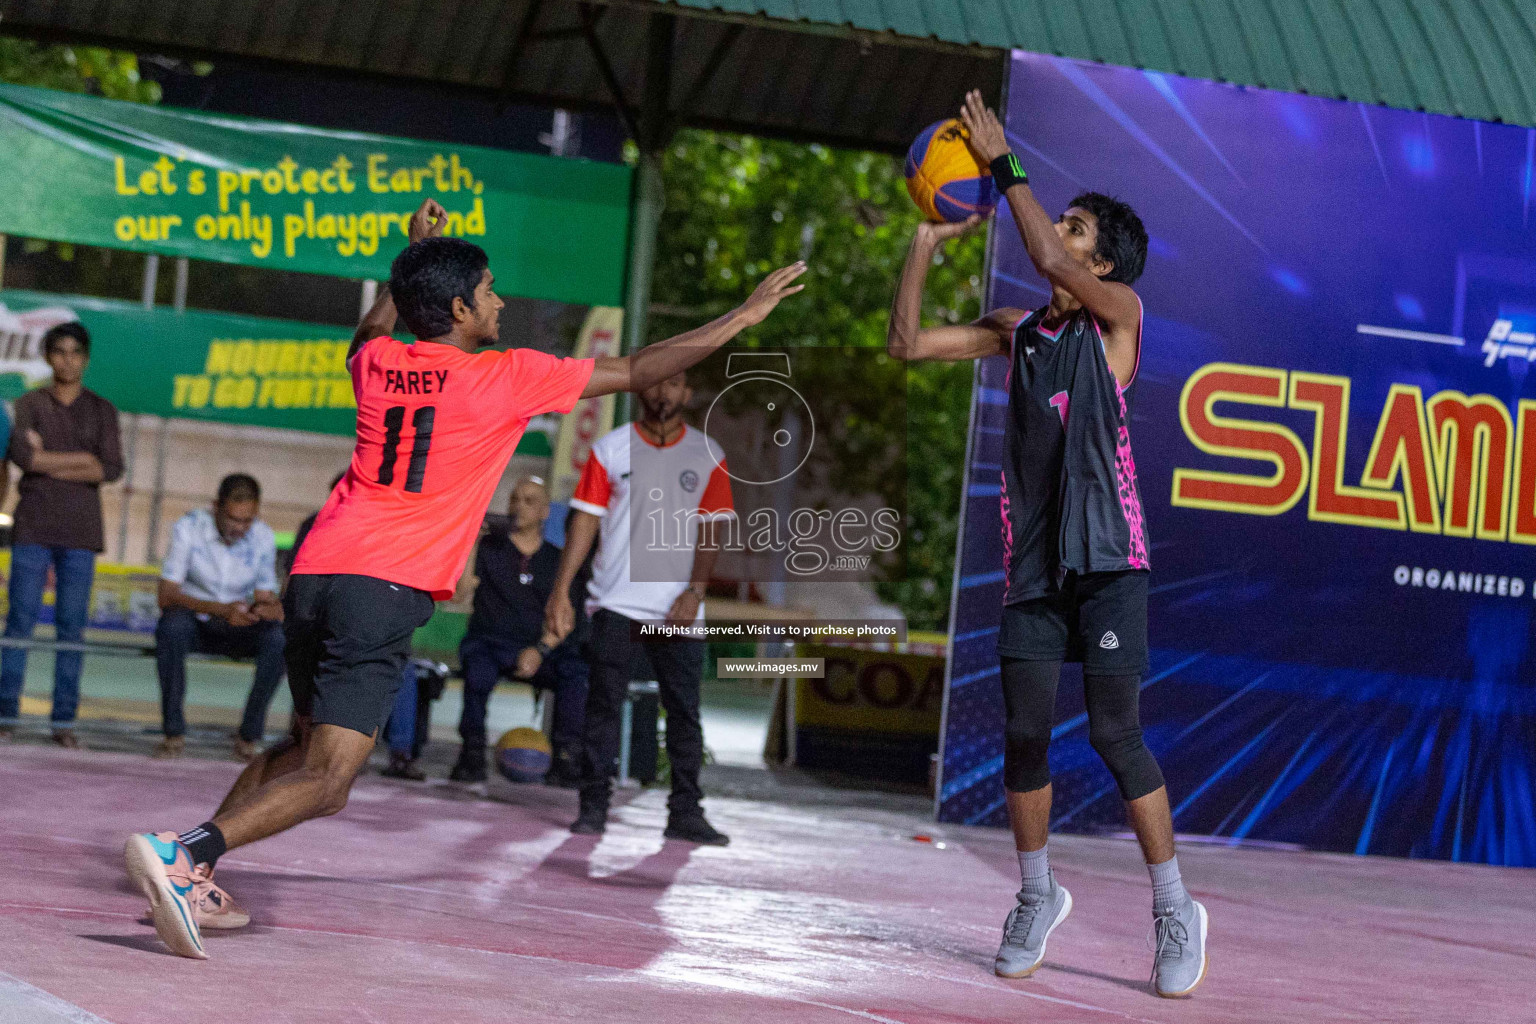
point(1099, 619)
point(348, 641)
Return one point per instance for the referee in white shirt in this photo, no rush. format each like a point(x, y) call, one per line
point(219, 595)
point(656, 469)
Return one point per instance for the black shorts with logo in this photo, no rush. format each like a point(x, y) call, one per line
point(1099, 619)
point(348, 641)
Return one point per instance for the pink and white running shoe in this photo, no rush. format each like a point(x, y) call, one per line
point(162, 868)
point(212, 907)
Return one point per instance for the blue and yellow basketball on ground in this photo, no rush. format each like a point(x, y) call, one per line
point(944, 178)
point(523, 754)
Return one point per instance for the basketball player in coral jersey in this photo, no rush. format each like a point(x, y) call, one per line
point(436, 423)
point(1074, 541)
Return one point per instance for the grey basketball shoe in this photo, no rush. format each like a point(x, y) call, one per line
point(1029, 924)
point(1178, 966)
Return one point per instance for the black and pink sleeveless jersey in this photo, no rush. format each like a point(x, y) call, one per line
point(1070, 502)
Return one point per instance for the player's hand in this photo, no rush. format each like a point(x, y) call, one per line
point(528, 661)
point(428, 221)
point(238, 615)
point(769, 293)
point(684, 610)
point(938, 232)
point(268, 611)
point(988, 139)
point(559, 616)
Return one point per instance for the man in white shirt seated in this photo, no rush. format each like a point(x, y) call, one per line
point(218, 595)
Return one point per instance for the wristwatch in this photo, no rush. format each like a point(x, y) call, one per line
point(696, 590)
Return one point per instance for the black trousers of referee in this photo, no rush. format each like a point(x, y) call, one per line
point(679, 668)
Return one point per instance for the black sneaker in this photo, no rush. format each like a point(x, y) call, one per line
point(693, 828)
point(403, 768)
point(590, 822)
point(468, 771)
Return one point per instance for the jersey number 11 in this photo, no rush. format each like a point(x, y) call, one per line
point(421, 422)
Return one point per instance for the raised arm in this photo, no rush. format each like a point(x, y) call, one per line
point(429, 219)
point(1114, 304)
point(655, 363)
point(906, 338)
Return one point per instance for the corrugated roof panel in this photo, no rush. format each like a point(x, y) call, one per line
point(854, 72)
point(1517, 39)
point(1350, 77)
point(828, 12)
point(1404, 53)
point(1463, 78)
point(1306, 51)
point(904, 17)
point(984, 19)
point(778, 9)
point(1377, 51)
point(943, 21)
point(1187, 41)
point(1102, 20)
point(1428, 78)
point(1148, 39)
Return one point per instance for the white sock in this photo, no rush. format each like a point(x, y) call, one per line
point(1035, 868)
point(1168, 892)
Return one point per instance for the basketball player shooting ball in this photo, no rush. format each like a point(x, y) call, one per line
point(1074, 541)
point(436, 423)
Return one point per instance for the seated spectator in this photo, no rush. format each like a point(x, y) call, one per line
point(516, 567)
point(218, 595)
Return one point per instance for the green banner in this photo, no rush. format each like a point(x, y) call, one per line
point(196, 364)
point(238, 190)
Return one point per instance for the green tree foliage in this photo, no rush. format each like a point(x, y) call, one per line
point(739, 206)
point(92, 69)
point(100, 72)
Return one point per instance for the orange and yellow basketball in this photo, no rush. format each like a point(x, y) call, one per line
point(944, 178)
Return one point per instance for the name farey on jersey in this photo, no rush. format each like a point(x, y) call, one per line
point(424, 469)
point(415, 382)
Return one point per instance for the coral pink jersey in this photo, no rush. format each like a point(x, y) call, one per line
point(435, 428)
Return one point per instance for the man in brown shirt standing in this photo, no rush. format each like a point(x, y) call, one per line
point(66, 443)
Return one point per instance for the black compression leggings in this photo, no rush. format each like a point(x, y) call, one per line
point(1114, 727)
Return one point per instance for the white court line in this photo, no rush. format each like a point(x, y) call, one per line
point(40, 1007)
point(1398, 332)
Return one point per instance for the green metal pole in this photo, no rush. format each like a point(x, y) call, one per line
point(645, 219)
point(654, 129)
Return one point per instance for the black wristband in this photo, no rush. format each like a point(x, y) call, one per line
point(1008, 172)
point(543, 649)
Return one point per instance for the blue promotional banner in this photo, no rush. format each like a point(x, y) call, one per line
point(1334, 424)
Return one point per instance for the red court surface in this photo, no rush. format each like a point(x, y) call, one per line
point(422, 903)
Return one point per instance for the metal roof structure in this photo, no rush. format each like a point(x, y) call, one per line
point(863, 73)
point(761, 76)
point(1469, 58)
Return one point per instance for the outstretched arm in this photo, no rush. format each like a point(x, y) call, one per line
point(906, 338)
point(1114, 304)
point(655, 363)
point(428, 221)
